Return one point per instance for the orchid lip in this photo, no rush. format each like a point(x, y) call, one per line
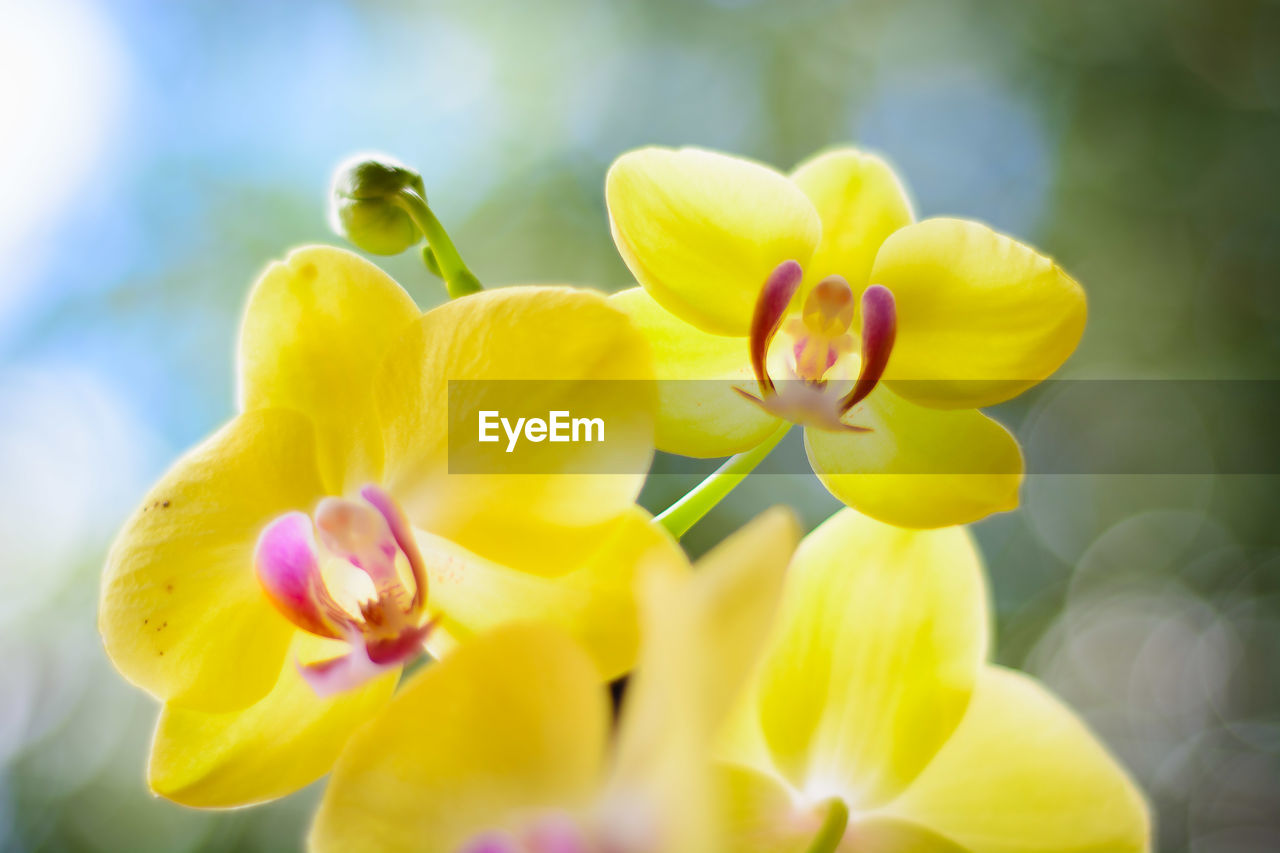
point(384, 625)
point(771, 308)
point(822, 335)
point(879, 329)
point(546, 832)
point(803, 403)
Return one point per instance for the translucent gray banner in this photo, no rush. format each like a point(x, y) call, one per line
point(1094, 427)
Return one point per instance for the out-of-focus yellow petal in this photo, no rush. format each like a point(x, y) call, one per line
point(285, 741)
point(882, 635)
point(551, 550)
point(701, 231)
point(740, 739)
point(981, 317)
point(558, 349)
point(861, 203)
point(919, 467)
point(699, 412)
point(702, 636)
point(704, 631)
point(880, 835)
point(1020, 774)
point(512, 722)
point(760, 815)
point(314, 331)
point(594, 603)
point(182, 614)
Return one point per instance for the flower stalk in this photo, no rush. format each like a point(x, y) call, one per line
point(831, 833)
point(458, 278)
point(690, 509)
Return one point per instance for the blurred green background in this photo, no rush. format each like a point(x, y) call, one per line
point(155, 156)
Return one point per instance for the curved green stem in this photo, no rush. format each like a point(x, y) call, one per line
point(689, 510)
point(832, 831)
point(458, 279)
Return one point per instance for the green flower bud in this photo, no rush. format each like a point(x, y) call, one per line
point(365, 206)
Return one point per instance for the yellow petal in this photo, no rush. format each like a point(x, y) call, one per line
point(570, 351)
point(919, 467)
point(861, 203)
point(314, 331)
point(512, 722)
point(548, 549)
point(880, 835)
point(1022, 774)
point(704, 631)
point(882, 635)
point(182, 614)
point(702, 636)
point(981, 317)
point(283, 742)
point(699, 412)
point(701, 231)
point(594, 602)
point(760, 815)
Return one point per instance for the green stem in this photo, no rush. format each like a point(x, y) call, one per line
point(458, 279)
point(689, 510)
point(832, 831)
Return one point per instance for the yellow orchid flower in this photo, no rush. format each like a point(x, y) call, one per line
point(879, 335)
point(875, 723)
point(275, 581)
point(503, 747)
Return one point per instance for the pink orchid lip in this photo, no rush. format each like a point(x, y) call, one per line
point(363, 662)
point(879, 330)
point(288, 567)
point(403, 534)
point(556, 832)
point(369, 534)
point(828, 314)
point(492, 842)
point(770, 310)
point(549, 832)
